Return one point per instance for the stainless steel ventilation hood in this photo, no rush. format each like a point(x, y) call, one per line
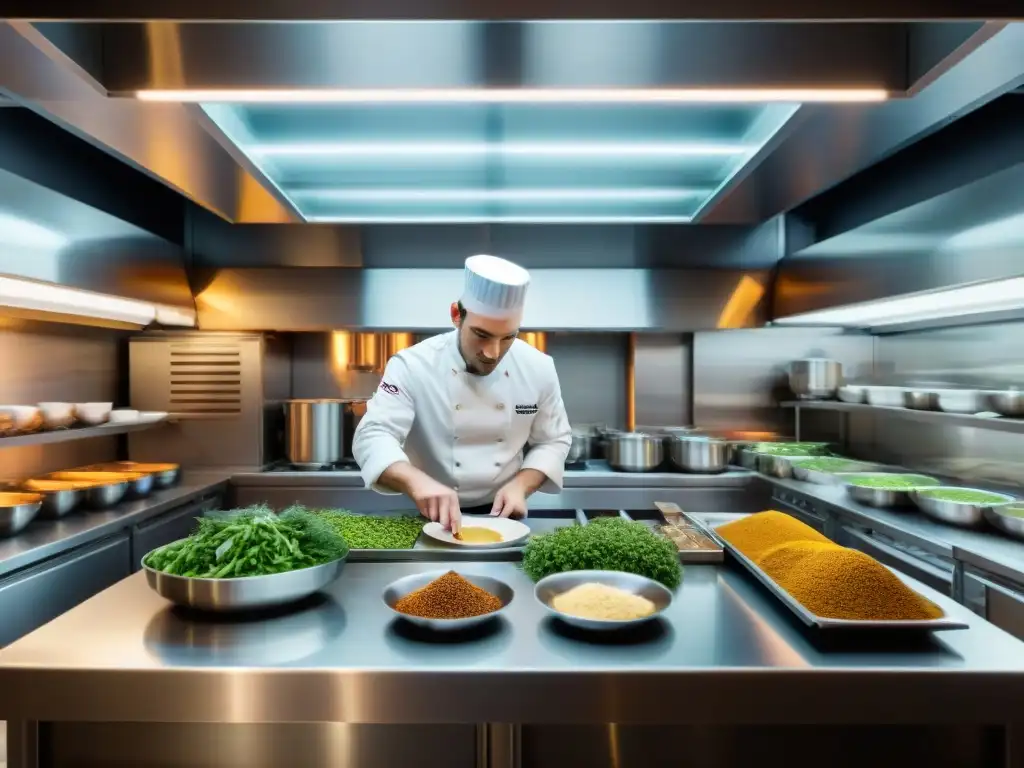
point(323, 299)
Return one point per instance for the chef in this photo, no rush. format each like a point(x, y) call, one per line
point(451, 418)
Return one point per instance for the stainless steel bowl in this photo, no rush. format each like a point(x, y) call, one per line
point(59, 499)
point(1008, 403)
point(580, 448)
point(746, 458)
point(885, 497)
point(396, 590)
point(920, 400)
point(820, 477)
point(1008, 524)
point(815, 378)
point(17, 510)
point(777, 466)
point(104, 495)
point(962, 514)
point(699, 454)
point(550, 587)
point(634, 451)
point(140, 487)
point(164, 475)
point(248, 593)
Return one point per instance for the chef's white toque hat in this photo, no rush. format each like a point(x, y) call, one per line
point(494, 287)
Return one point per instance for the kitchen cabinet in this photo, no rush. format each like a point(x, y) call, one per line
point(170, 526)
point(31, 598)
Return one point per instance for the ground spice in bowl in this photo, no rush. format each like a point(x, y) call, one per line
point(448, 597)
point(756, 534)
point(839, 583)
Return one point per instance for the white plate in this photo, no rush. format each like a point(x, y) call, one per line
point(512, 531)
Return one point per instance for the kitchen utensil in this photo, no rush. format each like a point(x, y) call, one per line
point(959, 513)
point(550, 587)
point(314, 433)
point(885, 497)
point(850, 393)
point(886, 397)
point(1005, 522)
point(1009, 402)
point(634, 451)
point(961, 400)
point(57, 415)
point(815, 378)
point(920, 400)
point(698, 454)
point(17, 510)
point(247, 593)
point(580, 447)
point(93, 413)
point(398, 589)
point(59, 497)
point(777, 466)
point(512, 532)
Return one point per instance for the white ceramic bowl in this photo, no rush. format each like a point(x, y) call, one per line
point(57, 415)
point(123, 416)
point(889, 397)
point(24, 418)
point(93, 413)
point(851, 393)
point(152, 415)
point(962, 400)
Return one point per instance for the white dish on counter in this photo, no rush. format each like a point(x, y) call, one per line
point(887, 397)
point(512, 532)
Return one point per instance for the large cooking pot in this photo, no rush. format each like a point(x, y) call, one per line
point(580, 448)
point(318, 433)
point(815, 378)
point(634, 451)
point(699, 454)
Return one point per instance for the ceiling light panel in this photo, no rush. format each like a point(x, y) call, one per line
point(505, 161)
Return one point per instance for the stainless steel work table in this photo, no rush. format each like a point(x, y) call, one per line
point(725, 652)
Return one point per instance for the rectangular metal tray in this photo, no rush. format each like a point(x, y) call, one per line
point(671, 514)
point(820, 622)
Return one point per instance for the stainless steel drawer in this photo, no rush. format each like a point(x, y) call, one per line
point(1000, 605)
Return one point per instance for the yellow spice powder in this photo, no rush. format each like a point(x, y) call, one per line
point(756, 534)
point(600, 601)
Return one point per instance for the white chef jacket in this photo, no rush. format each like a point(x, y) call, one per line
point(464, 430)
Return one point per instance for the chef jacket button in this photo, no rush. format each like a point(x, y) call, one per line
point(501, 439)
point(457, 464)
point(497, 463)
point(458, 407)
point(501, 406)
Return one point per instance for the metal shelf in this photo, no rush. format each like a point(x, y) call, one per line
point(998, 424)
point(76, 433)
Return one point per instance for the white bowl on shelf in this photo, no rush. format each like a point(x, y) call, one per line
point(887, 397)
point(123, 416)
point(93, 413)
point(853, 393)
point(962, 400)
point(22, 418)
point(57, 415)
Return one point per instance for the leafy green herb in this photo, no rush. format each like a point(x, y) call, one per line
point(830, 464)
point(791, 449)
point(251, 542)
point(892, 482)
point(607, 544)
point(965, 496)
point(374, 531)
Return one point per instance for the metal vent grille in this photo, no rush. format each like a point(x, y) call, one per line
point(206, 378)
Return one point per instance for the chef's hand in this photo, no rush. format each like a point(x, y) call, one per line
point(510, 501)
point(437, 502)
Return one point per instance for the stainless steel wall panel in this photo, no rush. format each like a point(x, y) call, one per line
point(592, 373)
point(662, 379)
point(397, 299)
point(740, 376)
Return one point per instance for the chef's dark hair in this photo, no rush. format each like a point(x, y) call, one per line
point(462, 311)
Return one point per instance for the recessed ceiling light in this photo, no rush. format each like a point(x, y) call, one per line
point(592, 219)
point(605, 150)
point(502, 195)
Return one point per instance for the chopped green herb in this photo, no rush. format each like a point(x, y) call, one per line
point(830, 464)
point(965, 496)
point(791, 449)
point(374, 531)
point(892, 482)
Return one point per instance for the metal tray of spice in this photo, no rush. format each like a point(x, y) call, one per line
point(823, 623)
point(693, 543)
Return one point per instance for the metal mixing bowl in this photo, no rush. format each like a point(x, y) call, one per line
point(960, 513)
point(104, 495)
point(17, 510)
point(550, 587)
point(59, 498)
point(396, 590)
point(1008, 403)
point(137, 485)
point(1008, 524)
point(777, 466)
point(699, 454)
point(920, 400)
point(634, 451)
point(885, 497)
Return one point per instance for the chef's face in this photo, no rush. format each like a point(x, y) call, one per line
point(483, 341)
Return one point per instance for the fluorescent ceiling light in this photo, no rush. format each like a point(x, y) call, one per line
point(47, 297)
point(519, 95)
point(610, 150)
point(962, 301)
point(595, 219)
point(498, 195)
point(17, 231)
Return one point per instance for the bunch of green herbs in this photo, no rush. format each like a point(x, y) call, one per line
point(374, 531)
point(251, 542)
point(607, 544)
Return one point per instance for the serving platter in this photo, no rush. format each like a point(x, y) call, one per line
point(512, 532)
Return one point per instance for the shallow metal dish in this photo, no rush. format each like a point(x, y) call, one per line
point(244, 594)
point(963, 514)
point(777, 466)
point(823, 623)
point(548, 588)
point(885, 497)
point(820, 477)
point(59, 498)
point(17, 510)
point(1011, 526)
point(396, 590)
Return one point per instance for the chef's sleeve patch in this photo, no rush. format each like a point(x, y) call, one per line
point(391, 389)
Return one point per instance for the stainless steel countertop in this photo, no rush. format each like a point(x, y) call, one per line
point(596, 474)
point(47, 538)
point(725, 651)
point(988, 550)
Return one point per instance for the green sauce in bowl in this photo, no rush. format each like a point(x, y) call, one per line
point(830, 464)
point(892, 482)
